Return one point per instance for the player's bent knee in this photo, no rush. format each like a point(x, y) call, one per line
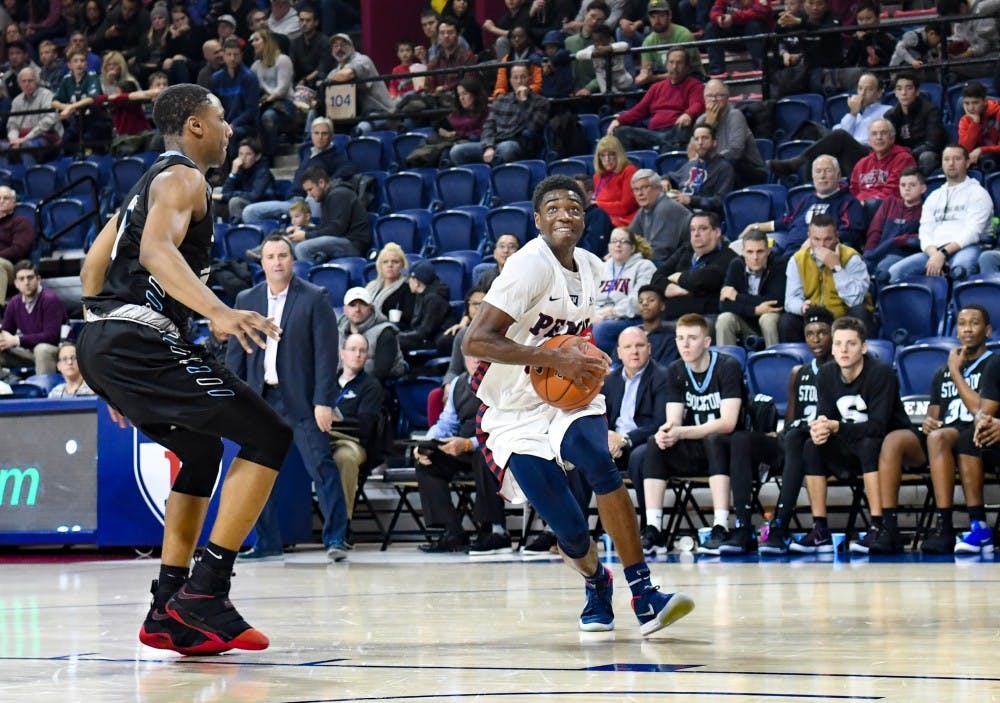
point(199, 469)
point(575, 547)
point(269, 446)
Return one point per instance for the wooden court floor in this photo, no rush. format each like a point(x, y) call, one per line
point(402, 626)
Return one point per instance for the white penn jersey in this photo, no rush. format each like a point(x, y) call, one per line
point(545, 300)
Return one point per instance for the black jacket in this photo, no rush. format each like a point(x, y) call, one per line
point(430, 313)
point(703, 281)
point(650, 401)
point(919, 130)
point(772, 287)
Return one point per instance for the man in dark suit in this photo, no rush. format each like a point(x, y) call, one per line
point(298, 377)
point(636, 398)
point(752, 294)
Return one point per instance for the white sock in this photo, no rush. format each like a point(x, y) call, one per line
point(721, 518)
point(654, 518)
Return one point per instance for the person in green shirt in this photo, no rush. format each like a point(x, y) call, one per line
point(584, 77)
point(663, 31)
point(73, 98)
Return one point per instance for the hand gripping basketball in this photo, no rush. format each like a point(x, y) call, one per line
point(562, 391)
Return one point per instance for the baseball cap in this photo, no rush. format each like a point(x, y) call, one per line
point(357, 293)
point(343, 36)
point(228, 19)
point(658, 6)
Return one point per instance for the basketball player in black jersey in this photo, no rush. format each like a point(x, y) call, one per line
point(857, 405)
point(141, 281)
point(800, 412)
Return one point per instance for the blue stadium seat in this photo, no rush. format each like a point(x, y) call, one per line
point(916, 365)
point(573, 166)
point(82, 170)
point(882, 349)
point(984, 291)
point(835, 109)
point(239, 238)
point(479, 269)
point(539, 170)
point(766, 148)
point(643, 158)
point(789, 114)
point(453, 230)
point(405, 191)
point(334, 278)
point(779, 197)
point(355, 265)
point(59, 214)
point(125, 173)
point(992, 184)
point(403, 144)
point(367, 154)
point(26, 390)
point(510, 183)
point(40, 181)
point(454, 274)
point(590, 124)
point(48, 381)
point(796, 194)
point(412, 396)
point(509, 220)
point(219, 250)
point(816, 103)
point(458, 186)
point(401, 229)
point(914, 308)
point(742, 207)
point(301, 268)
point(768, 372)
point(478, 213)
point(738, 353)
point(670, 161)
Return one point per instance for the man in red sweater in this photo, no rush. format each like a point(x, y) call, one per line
point(876, 176)
point(671, 106)
point(736, 18)
point(32, 323)
point(979, 128)
point(17, 238)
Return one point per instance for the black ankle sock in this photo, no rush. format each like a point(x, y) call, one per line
point(891, 517)
point(599, 577)
point(944, 517)
point(169, 581)
point(820, 524)
point(977, 512)
point(877, 522)
point(213, 570)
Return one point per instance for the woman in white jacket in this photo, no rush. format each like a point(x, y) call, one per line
point(626, 269)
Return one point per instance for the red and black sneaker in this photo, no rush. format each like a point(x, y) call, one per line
point(213, 615)
point(161, 631)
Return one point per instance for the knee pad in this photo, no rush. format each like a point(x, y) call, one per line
point(586, 447)
point(199, 468)
point(576, 546)
point(269, 446)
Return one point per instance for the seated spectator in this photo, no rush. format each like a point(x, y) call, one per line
point(211, 52)
point(704, 181)
point(736, 18)
point(17, 58)
point(284, 20)
point(956, 217)
point(976, 38)
point(581, 36)
point(734, 140)
point(389, 290)
point(148, 55)
point(661, 221)
point(456, 442)
point(216, 342)
point(829, 197)
point(557, 66)
point(355, 438)
point(692, 277)
point(430, 308)
point(662, 31)
point(469, 29)
point(52, 66)
point(876, 176)
point(613, 78)
point(465, 123)
point(979, 126)
point(182, 46)
point(514, 126)
point(385, 360)
point(299, 219)
point(918, 47)
point(652, 304)
point(239, 93)
point(274, 75)
point(812, 63)
point(373, 96)
point(73, 384)
point(848, 142)
point(450, 340)
point(32, 322)
point(870, 47)
point(626, 269)
point(17, 239)
point(73, 99)
point(505, 245)
point(343, 229)
point(404, 85)
point(30, 137)
point(122, 95)
point(521, 49)
point(788, 69)
point(612, 181)
point(518, 14)
point(858, 403)
point(917, 121)
point(318, 152)
point(671, 106)
point(704, 397)
point(250, 181)
point(451, 54)
point(752, 294)
point(894, 231)
point(123, 28)
point(596, 223)
point(825, 273)
point(636, 401)
point(309, 49)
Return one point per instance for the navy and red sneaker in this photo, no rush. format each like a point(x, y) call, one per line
point(213, 615)
point(161, 631)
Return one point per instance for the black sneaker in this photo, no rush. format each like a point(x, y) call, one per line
point(711, 545)
point(940, 541)
point(213, 615)
point(742, 540)
point(863, 546)
point(888, 541)
point(542, 547)
point(161, 631)
point(818, 541)
point(776, 544)
point(446, 543)
point(491, 544)
point(652, 541)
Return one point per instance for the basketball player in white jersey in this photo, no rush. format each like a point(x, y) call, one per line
point(548, 289)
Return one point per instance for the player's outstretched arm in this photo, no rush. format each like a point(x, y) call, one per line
point(486, 340)
point(177, 196)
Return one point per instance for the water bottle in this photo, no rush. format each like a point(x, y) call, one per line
point(765, 529)
point(685, 543)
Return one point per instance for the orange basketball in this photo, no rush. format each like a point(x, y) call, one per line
point(556, 390)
